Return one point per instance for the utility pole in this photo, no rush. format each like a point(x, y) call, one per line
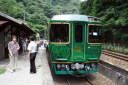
point(24, 17)
point(45, 32)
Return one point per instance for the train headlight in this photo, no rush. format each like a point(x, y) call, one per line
point(93, 66)
point(58, 66)
point(73, 66)
point(63, 65)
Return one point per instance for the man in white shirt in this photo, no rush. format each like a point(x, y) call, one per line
point(24, 46)
point(32, 48)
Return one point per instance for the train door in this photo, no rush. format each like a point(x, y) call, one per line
point(78, 41)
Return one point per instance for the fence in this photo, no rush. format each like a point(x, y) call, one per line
point(117, 47)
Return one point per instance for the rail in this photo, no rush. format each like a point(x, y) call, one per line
point(115, 55)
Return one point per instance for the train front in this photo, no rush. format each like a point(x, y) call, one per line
point(74, 44)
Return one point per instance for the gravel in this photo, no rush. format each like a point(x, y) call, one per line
point(114, 61)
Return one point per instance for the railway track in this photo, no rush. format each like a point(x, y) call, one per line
point(68, 82)
point(115, 55)
point(90, 83)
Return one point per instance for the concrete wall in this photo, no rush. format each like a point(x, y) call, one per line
point(115, 74)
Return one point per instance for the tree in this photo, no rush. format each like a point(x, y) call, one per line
point(113, 14)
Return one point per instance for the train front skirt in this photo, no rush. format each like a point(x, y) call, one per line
point(75, 68)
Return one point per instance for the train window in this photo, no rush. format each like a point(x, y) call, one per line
point(78, 33)
point(59, 33)
point(95, 34)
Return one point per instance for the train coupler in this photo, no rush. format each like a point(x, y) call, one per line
point(78, 75)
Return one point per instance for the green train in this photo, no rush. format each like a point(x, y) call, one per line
point(75, 44)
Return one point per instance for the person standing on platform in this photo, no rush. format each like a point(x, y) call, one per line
point(32, 49)
point(13, 48)
point(38, 36)
point(24, 46)
point(38, 45)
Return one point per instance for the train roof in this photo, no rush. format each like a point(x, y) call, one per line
point(74, 17)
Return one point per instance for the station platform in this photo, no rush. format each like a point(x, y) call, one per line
point(23, 76)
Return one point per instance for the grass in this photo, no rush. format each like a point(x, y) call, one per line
point(110, 47)
point(3, 70)
point(38, 66)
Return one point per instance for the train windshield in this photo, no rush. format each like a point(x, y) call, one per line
point(95, 34)
point(59, 33)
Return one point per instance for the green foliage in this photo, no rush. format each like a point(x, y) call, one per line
point(113, 14)
point(38, 12)
point(3, 70)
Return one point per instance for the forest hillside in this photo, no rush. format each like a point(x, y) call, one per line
point(114, 15)
point(38, 12)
